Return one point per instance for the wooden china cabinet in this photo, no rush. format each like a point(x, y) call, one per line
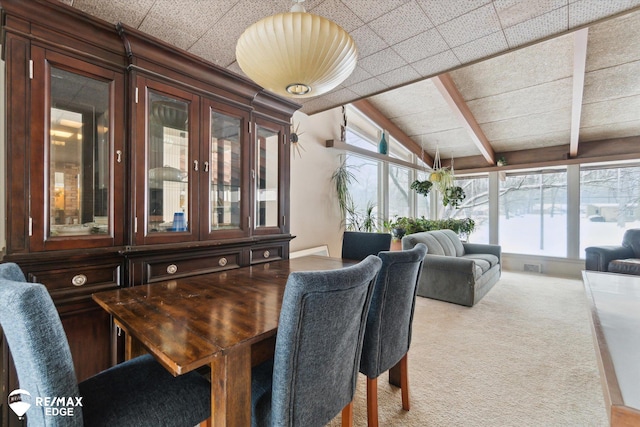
point(130, 161)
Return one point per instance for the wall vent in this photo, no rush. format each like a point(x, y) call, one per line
point(533, 268)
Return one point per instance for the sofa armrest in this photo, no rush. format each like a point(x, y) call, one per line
point(454, 266)
point(599, 257)
point(482, 248)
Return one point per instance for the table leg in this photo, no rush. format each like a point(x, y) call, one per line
point(231, 388)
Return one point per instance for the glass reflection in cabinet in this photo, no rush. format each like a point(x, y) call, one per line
point(78, 155)
point(226, 170)
point(168, 157)
point(267, 178)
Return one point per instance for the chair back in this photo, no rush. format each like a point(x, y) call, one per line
point(388, 333)
point(358, 244)
point(319, 343)
point(38, 345)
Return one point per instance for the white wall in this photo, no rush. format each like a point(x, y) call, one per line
point(315, 217)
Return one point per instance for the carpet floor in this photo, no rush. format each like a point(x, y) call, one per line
point(523, 356)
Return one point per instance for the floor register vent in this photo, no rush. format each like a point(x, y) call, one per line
point(533, 268)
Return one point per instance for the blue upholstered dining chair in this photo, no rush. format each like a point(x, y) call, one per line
point(388, 333)
point(139, 392)
point(313, 374)
point(359, 244)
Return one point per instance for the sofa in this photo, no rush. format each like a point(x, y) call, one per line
point(623, 259)
point(453, 271)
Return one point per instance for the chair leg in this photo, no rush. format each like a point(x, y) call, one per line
point(205, 423)
point(404, 382)
point(372, 402)
point(347, 415)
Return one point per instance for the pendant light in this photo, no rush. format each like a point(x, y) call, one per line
point(296, 54)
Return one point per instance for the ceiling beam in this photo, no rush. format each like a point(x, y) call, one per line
point(382, 121)
point(580, 38)
point(447, 88)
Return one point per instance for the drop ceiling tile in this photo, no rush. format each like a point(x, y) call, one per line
point(614, 42)
point(315, 105)
point(67, 2)
point(235, 68)
point(357, 76)
point(368, 87)
point(584, 11)
point(340, 96)
point(192, 16)
point(538, 27)
point(514, 12)
point(339, 13)
point(421, 46)
point(214, 49)
point(406, 100)
point(441, 11)
point(481, 48)
point(368, 10)
point(382, 62)
point(367, 41)
point(177, 36)
point(402, 23)
point(398, 77)
point(470, 26)
point(128, 12)
point(436, 64)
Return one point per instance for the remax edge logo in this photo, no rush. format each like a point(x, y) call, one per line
point(20, 401)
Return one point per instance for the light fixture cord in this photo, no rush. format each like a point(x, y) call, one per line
point(298, 6)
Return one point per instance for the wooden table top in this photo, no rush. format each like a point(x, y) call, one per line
point(187, 322)
point(615, 311)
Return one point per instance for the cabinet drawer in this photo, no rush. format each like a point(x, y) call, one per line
point(165, 269)
point(266, 254)
point(65, 284)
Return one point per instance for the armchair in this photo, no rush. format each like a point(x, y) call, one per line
point(616, 259)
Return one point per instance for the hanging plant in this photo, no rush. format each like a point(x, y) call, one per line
point(422, 187)
point(453, 196)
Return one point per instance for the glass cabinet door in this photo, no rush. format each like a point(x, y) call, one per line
point(79, 181)
point(77, 154)
point(227, 198)
point(167, 164)
point(267, 154)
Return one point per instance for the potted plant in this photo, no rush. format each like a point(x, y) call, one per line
point(422, 187)
point(453, 196)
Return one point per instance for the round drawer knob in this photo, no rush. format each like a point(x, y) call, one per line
point(222, 262)
point(266, 254)
point(79, 280)
point(172, 268)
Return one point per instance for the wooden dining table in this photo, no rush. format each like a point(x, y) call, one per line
point(226, 320)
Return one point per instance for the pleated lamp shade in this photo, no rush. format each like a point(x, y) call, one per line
point(296, 54)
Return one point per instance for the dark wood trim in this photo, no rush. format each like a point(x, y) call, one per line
point(450, 93)
point(610, 150)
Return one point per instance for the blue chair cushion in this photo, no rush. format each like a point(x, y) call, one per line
point(140, 392)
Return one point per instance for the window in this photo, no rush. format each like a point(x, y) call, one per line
point(609, 204)
point(475, 206)
point(399, 204)
point(363, 215)
point(533, 213)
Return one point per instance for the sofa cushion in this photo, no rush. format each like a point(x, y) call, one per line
point(631, 239)
point(490, 259)
point(625, 266)
point(479, 262)
point(439, 242)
